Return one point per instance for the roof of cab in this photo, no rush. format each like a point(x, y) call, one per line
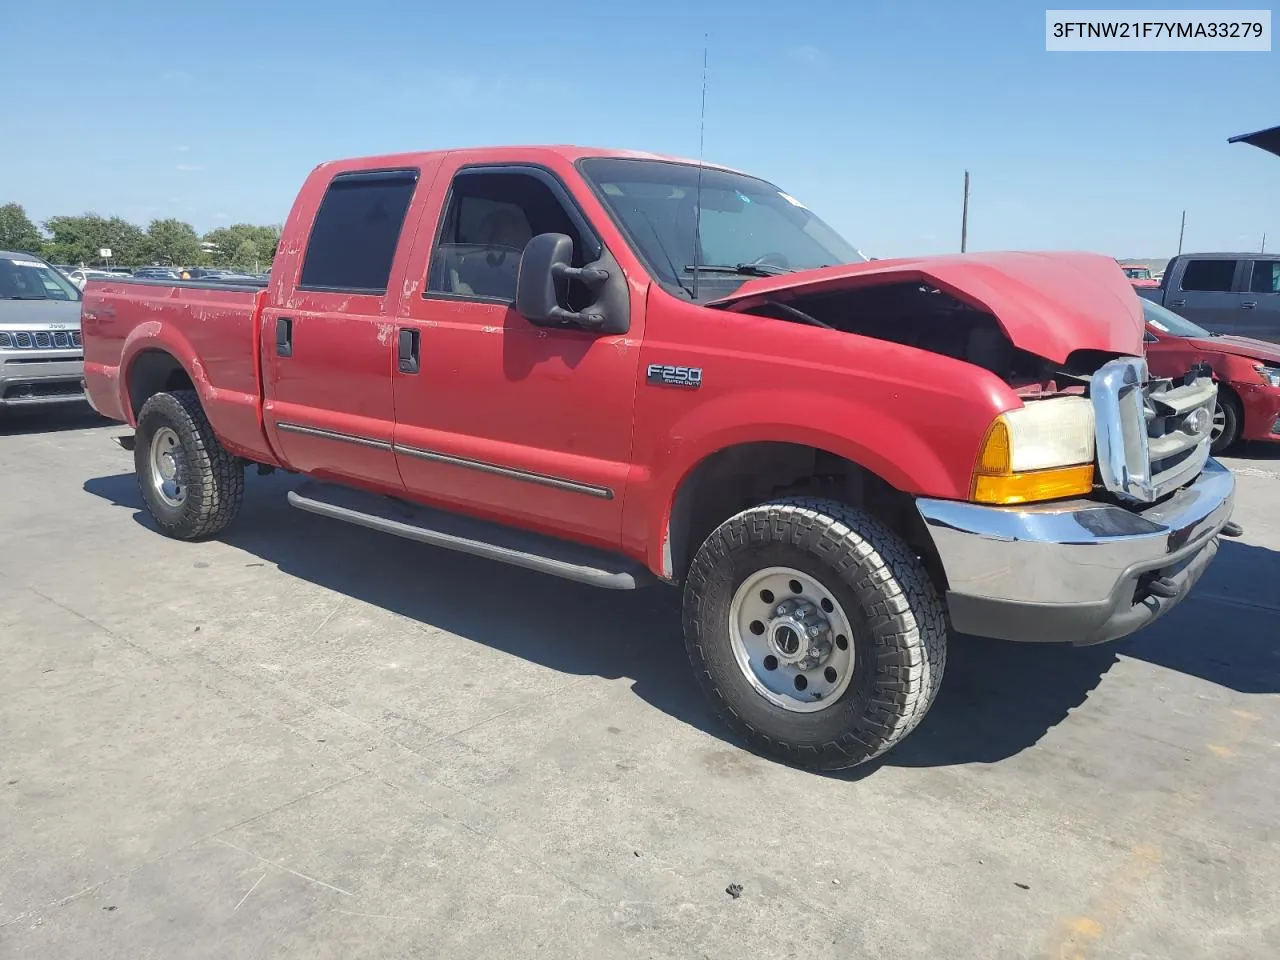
point(514, 154)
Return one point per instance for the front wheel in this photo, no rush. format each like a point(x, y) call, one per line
point(815, 631)
point(191, 485)
point(1226, 423)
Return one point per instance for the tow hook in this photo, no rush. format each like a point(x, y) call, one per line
point(1231, 529)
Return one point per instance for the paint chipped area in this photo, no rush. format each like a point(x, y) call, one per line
point(385, 333)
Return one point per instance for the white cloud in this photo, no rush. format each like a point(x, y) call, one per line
point(189, 167)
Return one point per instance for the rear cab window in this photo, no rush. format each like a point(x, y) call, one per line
point(356, 232)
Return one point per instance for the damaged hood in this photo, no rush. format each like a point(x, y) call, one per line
point(1049, 304)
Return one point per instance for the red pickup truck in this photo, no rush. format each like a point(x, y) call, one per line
point(620, 368)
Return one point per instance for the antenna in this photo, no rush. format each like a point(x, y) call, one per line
point(697, 209)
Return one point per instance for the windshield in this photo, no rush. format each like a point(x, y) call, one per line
point(24, 279)
point(1166, 321)
point(747, 227)
point(1137, 273)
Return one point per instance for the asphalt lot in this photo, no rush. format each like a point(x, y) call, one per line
point(309, 740)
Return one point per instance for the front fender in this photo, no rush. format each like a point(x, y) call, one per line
point(933, 457)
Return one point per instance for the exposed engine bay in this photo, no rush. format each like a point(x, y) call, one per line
point(920, 316)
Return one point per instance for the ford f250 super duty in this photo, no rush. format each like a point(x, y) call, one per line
point(619, 368)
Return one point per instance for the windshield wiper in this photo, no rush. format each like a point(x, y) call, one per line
point(24, 298)
point(741, 269)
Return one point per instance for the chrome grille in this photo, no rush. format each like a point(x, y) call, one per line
point(1153, 436)
point(40, 339)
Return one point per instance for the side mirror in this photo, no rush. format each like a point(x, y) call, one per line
point(542, 280)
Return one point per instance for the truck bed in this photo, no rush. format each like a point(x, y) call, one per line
point(210, 327)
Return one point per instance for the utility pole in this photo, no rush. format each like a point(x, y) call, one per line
point(1263, 248)
point(964, 216)
point(1182, 230)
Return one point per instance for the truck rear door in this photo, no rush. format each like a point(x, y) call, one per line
point(1209, 291)
point(328, 337)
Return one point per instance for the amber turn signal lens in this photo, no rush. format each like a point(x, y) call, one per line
point(1034, 485)
point(995, 479)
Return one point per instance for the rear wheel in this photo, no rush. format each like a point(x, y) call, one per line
point(191, 485)
point(1226, 422)
point(815, 631)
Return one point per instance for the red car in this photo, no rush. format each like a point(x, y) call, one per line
point(1247, 371)
point(1139, 275)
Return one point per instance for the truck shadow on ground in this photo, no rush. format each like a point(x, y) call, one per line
point(997, 698)
point(50, 419)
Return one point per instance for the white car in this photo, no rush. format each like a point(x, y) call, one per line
point(81, 276)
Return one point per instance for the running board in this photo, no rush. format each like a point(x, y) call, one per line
point(480, 538)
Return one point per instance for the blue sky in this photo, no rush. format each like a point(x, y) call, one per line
point(868, 112)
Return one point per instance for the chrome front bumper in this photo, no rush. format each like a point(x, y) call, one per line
point(1079, 571)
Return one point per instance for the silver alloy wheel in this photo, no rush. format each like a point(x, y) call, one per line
point(165, 478)
point(1219, 422)
point(791, 639)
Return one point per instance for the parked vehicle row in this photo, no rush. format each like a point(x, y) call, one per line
point(621, 368)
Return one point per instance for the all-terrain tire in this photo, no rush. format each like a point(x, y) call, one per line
point(211, 479)
point(894, 611)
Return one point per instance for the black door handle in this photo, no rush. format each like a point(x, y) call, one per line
point(284, 336)
point(1177, 303)
point(407, 351)
point(1249, 305)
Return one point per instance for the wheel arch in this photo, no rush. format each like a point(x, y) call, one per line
point(743, 475)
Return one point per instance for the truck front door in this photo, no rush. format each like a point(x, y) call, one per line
point(495, 416)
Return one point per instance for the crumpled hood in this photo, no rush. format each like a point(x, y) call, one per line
point(1261, 350)
point(1049, 304)
point(38, 314)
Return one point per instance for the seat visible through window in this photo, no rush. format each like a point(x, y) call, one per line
point(489, 220)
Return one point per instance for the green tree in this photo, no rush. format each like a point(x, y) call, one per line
point(246, 257)
point(227, 241)
point(78, 240)
point(17, 232)
point(172, 243)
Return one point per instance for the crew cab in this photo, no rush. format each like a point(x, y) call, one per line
point(622, 368)
point(1247, 372)
point(40, 352)
point(1226, 293)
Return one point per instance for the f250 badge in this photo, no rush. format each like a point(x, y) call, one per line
point(665, 375)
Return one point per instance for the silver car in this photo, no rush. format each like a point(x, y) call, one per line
point(41, 359)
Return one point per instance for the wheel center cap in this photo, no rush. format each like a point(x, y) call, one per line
point(789, 639)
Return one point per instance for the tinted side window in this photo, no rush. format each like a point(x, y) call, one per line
point(489, 219)
point(1209, 275)
point(357, 227)
point(1266, 277)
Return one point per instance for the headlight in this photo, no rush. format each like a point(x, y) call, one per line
point(1269, 374)
point(1042, 451)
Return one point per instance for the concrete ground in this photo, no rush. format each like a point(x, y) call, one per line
point(309, 740)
